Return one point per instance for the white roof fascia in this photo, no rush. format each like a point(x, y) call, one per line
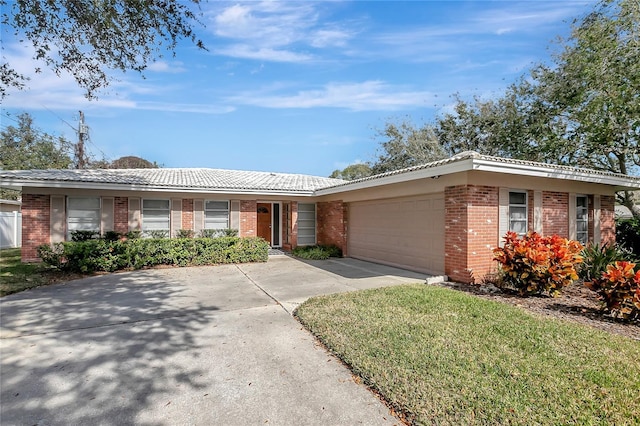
point(620, 182)
point(428, 172)
point(145, 188)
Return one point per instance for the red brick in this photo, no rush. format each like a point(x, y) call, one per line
point(36, 225)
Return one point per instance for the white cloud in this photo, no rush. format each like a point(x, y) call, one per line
point(46, 90)
point(330, 37)
point(275, 31)
point(162, 66)
point(263, 53)
point(365, 96)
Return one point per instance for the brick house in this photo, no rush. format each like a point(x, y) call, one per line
point(439, 218)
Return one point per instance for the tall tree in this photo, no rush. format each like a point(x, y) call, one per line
point(87, 38)
point(404, 145)
point(26, 147)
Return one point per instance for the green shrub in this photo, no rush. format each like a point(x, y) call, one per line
point(217, 233)
point(158, 234)
point(133, 235)
point(104, 255)
point(628, 234)
point(317, 252)
point(84, 235)
point(535, 265)
point(185, 233)
point(596, 258)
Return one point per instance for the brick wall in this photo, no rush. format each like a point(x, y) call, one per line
point(248, 218)
point(331, 224)
point(455, 229)
point(187, 213)
point(471, 231)
point(482, 230)
point(607, 219)
point(555, 213)
point(121, 214)
point(36, 225)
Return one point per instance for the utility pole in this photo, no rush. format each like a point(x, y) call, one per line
point(83, 131)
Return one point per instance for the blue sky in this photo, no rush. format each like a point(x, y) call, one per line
point(298, 87)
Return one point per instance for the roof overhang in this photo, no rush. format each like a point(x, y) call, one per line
point(488, 164)
point(22, 183)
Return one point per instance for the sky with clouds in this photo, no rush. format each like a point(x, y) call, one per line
point(299, 87)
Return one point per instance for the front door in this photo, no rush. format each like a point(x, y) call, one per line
point(264, 221)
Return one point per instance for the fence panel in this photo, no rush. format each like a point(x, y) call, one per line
point(10, 229)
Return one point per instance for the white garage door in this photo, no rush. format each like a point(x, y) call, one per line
point(405, 232)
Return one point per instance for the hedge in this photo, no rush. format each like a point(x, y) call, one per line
point(104, 255)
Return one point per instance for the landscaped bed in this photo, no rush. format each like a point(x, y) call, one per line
point(442, 356)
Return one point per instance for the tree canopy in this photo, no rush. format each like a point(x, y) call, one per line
point(87, 38)
point(24, 147)
point(583, 109)
point(126, 162)
point(403, 145)
point(352, 172)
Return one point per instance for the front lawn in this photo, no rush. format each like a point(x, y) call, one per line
point(445, 357)
point(16, 276)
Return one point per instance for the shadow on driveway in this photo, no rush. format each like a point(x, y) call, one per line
point(95, 350)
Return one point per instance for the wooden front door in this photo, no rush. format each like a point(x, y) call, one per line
point(264, 221)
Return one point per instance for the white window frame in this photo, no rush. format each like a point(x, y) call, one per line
point(526, 211)
point(304, 225)
point(584, 220)
point(216, 210)
point(96, 223)
point(146, 221)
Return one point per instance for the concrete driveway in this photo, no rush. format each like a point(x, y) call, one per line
point(192, 346)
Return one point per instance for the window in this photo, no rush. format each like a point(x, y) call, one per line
point(582, 219)
point(83, 214)
point(156, 216)
point(518, 212)
point(216, 214)
point(306, 224)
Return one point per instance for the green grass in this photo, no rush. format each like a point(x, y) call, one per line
point(16, 276)
point(444, 357)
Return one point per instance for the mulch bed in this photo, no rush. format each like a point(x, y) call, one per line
point(576, 303)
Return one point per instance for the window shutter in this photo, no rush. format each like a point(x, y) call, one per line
point(176, 216)
point(572, 217)
point(198, 216)
point(107, 215)
point(58, 219)
point(597, 236)
point(537, 212)
point(235, 215)
point(503, 214)
point(135, 224)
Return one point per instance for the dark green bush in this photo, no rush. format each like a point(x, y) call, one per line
point(103, 255)
point(628, 234)
point(112, 236)
point(317, 252)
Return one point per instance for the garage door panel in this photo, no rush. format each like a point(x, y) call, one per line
point(405, 232)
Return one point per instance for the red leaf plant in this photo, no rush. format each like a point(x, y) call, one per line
point(535, 264)
point(619, 289)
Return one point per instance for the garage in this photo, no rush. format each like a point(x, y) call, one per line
point(406, 232)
